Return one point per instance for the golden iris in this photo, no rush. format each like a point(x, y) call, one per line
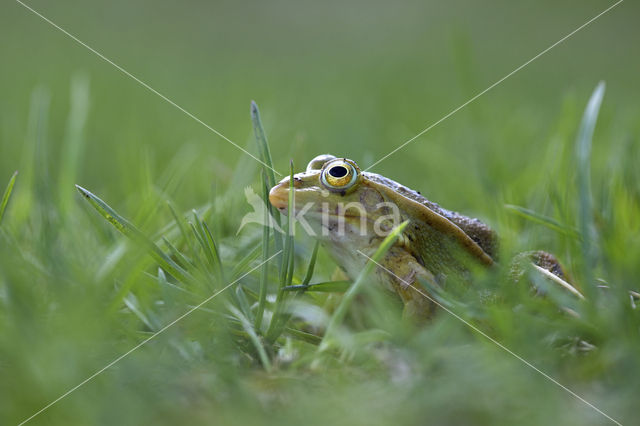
point(339, 174)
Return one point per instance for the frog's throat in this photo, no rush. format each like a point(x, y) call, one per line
point(440, 223)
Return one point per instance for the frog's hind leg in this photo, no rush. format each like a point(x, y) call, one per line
point(548, 265)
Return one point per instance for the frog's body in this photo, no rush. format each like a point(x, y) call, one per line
point(352, 211)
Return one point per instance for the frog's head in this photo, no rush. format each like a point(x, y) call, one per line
point(337, 200)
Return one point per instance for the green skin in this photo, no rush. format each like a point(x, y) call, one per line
point(436, 243)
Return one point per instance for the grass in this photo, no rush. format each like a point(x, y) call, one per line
point(7, 194)
point(276, 334)
point(87, 275)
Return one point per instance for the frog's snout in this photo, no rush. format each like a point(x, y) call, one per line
point(279, 195)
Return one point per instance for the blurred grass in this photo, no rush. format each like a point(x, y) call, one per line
point(354, 79)
point(7, 194)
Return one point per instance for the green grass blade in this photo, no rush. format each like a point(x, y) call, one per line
point(213, 248)
point(32, 151)
point(73, 143)
point(7, 194)
point(183, 232)
point(209, 247)
point(541, 219)
point(181, 260)
point(263, 144)
point(335, 286)
point(312, 264)
point(243, 263)
point(290, 267)
point(253, 336)
point(287, 258)
point(164, 284)
point(147, 319)
point(323, 287)
point(286, 269)
point(125, 227)
point(338, 316)
point(270, 178)
point(243, 303)
point(303, 336)
point(198, 231)
point(264, 275)
point(586, 224)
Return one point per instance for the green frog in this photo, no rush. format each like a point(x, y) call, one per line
point(351, 211)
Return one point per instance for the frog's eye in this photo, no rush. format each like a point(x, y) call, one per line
point(339, 174)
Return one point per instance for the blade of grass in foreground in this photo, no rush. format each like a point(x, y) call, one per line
point(264, 275)
point(263, 144)
point(304, 286)
point(73, 142)
point(7, 194)
point(586, 223)
point(208, 245)
point(287, 262)
point(312, 264)
point(331, 286)
point(543, 220)
point(124, 226)
point(183, 232)
point(270, 177)
point(253, 336)
point(324, 287)
point(338, 316)
point(279, 318)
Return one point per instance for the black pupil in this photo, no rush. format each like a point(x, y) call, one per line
point(338, 171)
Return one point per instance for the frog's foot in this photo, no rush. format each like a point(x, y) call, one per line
point(408, 279)
point(548, 265)
point(548, 262)
point(541, 259)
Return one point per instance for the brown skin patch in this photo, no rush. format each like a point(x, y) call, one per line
point(370, 198)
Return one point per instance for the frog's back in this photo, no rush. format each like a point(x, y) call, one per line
point(478, 231)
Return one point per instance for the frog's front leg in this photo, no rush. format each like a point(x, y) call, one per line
point(402, 271)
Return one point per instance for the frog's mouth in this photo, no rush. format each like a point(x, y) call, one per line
point(278, 198)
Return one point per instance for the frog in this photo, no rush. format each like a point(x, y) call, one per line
point(351, 211)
